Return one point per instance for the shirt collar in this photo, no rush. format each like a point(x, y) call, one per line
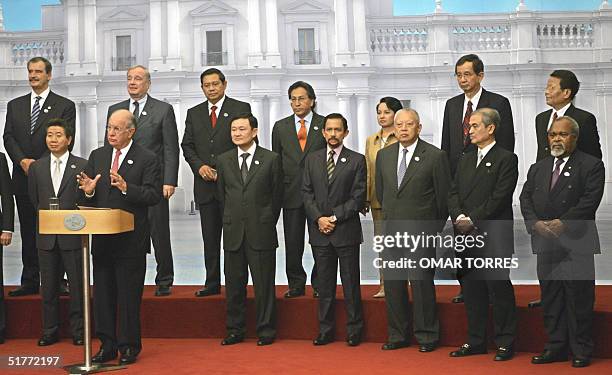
point(141, 102)
point(561, 112)
point(410, 148)
point(63, 158)
point(126, 149)
point(336, 150)
point(251, 150)
point(475, 99)
point(218, 104)
point(307, 119)
point(43, 95)
point(484, 151)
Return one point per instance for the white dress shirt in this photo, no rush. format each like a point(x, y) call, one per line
point(63, 161)
point(141, 103)
point(559, 113)
point(249, 158)
point(307, 122)
point(43, 96)
point(484, 151)
point(410, 149)
point(218, 104)
point(474, 101)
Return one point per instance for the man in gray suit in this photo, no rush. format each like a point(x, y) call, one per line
point(54, 175)
point(294, 138)
point(412, 182)
point(157, 133)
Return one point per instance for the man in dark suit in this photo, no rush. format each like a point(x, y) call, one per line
point(559, 201)
point(561, 89)
point(294, 138)
point(250, 180)
point(479, 202)
point(24, 140)
point(54, 176)
point(412, 182)
point(156, 132)
point(7, 214)
point(207, 135)
point(334, 190)
point(127, 177)
point(469, 71)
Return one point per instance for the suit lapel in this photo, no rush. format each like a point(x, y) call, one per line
point(45, 107)
point(414, 165)
point(394, 155)
point(223, 116)
point(564, 176)
point(69, 174)
point(343, 160)
point(255, 164)
point(471, 172)
point(128, 161)
point(145, 114)
point(313, 130)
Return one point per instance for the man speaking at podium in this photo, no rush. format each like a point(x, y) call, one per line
point(127, 177)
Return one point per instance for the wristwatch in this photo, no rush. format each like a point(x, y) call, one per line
point(333, 219)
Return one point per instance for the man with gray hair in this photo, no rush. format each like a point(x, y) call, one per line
point(158, 133)
point(479, 202)
point(559, 202)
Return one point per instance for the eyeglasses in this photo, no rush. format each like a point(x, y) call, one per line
point(115, 129)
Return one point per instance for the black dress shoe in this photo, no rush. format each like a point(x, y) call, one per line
point(23, 291)
point(206, 291)
point(47, 340)
point(232, 339)
point(78, 341)
point(104, 356)
point(315, 293)
point(504, 353)
point(353, 340)
point(395, 345)
point(296, 292)
point(322, 340)
point(162, 290)
point(458, 298)
point(536, 303)
point(426, 348)
point(581, 362)
point(265, 341)
point(128, 357)
point(466, 350)
point(548, 356)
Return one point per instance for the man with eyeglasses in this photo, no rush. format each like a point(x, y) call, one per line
point(469, 71)
point(157, 133)
point(207, 135)
point(294, 138)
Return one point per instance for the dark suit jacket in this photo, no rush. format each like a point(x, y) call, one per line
point(574, 200)
point(588, 141)
point(285, 143)
point(343, 196)
point(484, 194)
point(18, 141)
point(202, 144)
point(6, 197)
point(423, 193)
point(156, 132)
point(144, 189)
point(40, 188)
point(452, 126)
point(250, 210)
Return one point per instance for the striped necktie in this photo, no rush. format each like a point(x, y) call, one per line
point(330, 165)
point(35, 113)
point(401, 169)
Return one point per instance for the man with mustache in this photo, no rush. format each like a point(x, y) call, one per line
point(559, 201)
point(25, 142)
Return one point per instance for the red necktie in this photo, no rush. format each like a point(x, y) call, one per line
point(302, 134)
point(115, 166)
point(466, 124)
point(555, 116)
point(213, 116)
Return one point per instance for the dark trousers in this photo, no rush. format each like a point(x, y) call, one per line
point(159, 218)
point(567, 287)
point(118, 284)
point(52, 266)
point(262, 265)
point(327, 258)
point(294, 228)
point(476, 297)
point(426, 325)
point(2, 305)
point(30, 277)
point(211, 220)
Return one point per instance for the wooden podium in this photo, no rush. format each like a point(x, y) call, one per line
point(86, 222)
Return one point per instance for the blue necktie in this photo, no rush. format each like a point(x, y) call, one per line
point(35, 113)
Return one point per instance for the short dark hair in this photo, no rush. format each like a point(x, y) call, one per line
point(248, 116)
point(309, 91)
point(474, 59)
point(333, 116)
point(568, 80)
point(392, 103)
point(68, 129)
point(490, 116)
point(48, 66)
point(210, 71)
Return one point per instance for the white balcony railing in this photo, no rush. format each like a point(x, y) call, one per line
point(398, 39)
point(565, 35)
point(481, 37)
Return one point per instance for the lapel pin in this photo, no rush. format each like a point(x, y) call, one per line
point(416, 158)
point(143, 113)
point(48, 107)
point(343, 160)
point(488, 164)
point(569, 167)
point(225, 114)
point(257, 162)
point(46, 110)
point(130, 161)
point(566, 174)
point(316, 128)
point(72, 166)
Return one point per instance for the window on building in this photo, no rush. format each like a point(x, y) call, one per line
point(306, 52)
point(214, 54)
point(123, 59)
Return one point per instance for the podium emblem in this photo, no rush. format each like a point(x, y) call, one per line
point(74, 222)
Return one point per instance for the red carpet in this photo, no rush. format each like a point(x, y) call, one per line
point(182, 315)
point(295, 357)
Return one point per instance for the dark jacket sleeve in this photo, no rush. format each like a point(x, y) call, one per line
point(379, 178)
point(506, 183)
point(505, 138)
point(310, 204)
point(171, 148)
point(6, 195)
point(277, 186)
point(442, 182)
point(10, 142)
point(357, 197)
point(445, 143)
point(188, 145)
point(149, 191)
point(589, 137)
point(527, 206)
point(33, 184)
point(591, 198)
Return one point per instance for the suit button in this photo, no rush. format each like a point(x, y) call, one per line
point(563, 202)
point(212, 141)
point(546, 148)
point(212, 155)
point(569, 186)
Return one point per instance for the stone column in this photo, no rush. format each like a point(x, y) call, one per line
point(273, 58)
point(173, 59)
point(341, 27)
point(274, 115)
point(155, 39)
point(90, 66)
point(72, 37)
point(362, 55)
point(255, 54)
point(365, 118)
